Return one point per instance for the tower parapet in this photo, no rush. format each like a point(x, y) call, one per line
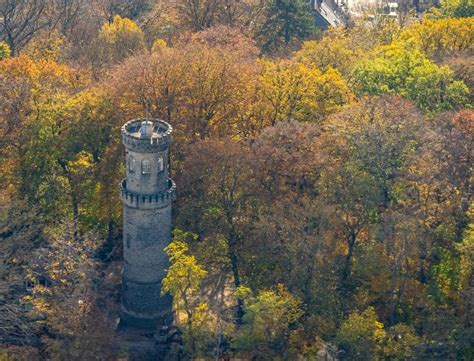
point(147, 201)
point(135, 136)
point(146, 193)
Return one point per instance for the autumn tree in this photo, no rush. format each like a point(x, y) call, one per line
point(246, 14)
point(131, 9)
point(314, 171)
point(466, 249)
point(365, 183)
point(199, 14)
point(334, 50)
point(401, 70)
point(20, 227)
point(65, 169)
point(183, 281)
point(203, 90)
point(436, 37)
point(120, 39)
point(292, 234)
point(64, 301)
point(4, 50)
point(21, 20)
point(361, 336)
point(267, 321)
point(65, 135)
point(292, 91)
point(220, 191)
point(28, 86)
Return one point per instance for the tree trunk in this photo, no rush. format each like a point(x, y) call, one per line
point(110, 230)
point(235, 273)
point(234, 263)
point(347, 263)
point(75, 216)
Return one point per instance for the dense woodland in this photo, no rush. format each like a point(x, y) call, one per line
point(324, 202)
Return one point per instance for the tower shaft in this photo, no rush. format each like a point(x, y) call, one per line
point(146, 194)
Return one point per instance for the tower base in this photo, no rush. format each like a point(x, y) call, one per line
point(143, 306)
point(146, 323)
point(160, 345)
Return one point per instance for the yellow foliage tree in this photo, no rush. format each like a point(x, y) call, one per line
point(64, 299)
point(290, 90)
point(361, 336)
point(332, 51)
point(121, 38)
point(4, 50)
point(267, 319)
point(28, 88)
point(436, 37)
point(183, 281)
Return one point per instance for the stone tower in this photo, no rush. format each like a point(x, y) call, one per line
point(146, 194)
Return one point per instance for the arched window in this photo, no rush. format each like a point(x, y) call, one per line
point(131, 164)
point(160, 165)
point(146, 166)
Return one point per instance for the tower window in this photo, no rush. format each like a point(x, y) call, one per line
point(160, 165)
point(146, 166)
point(131, 164)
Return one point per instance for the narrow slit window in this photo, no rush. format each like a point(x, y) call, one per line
point(160, 165)
point(146, 166)
point(131, 164)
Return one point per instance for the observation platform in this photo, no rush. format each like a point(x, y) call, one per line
point(146, 135)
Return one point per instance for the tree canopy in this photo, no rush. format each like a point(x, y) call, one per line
point(324, 177)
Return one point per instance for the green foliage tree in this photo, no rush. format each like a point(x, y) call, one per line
point(286, 21)
point(51, 175)
point(454, 9)
point(406, 71)
point(267, 320)
point(361, 336)
point(400, 343)
point(464, 9)
point(466, 275)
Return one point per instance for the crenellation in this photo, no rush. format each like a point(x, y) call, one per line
point(157, 200)
point(160, 139)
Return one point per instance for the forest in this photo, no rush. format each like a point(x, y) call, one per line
point(324, 204)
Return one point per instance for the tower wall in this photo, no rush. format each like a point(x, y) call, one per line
point(137, 182)
point(146, 194)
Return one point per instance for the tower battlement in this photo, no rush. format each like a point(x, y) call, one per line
point(137, 137)
point(147, 201)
